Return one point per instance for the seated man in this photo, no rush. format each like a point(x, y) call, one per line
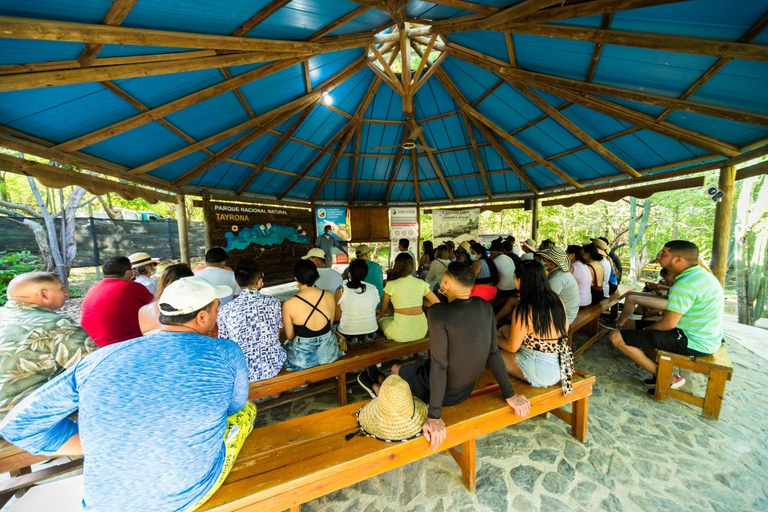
point(462, 342)
point(161, 417)
point(38, 344)
point(218, 273)
point(329, 280)
point(692, 323)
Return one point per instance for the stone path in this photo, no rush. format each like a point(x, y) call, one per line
point(641, 455)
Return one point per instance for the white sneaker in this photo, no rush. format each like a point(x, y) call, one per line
point(677, 382)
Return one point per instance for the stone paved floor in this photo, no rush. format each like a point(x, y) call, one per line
point(641, 455)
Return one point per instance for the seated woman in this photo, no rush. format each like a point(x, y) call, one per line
point(486, 274)
point(307, 322)
point(581, 273)
point(427, 257)
point(535, 347)
point(149, 314)
point(357, 301)
point(253, 320)
point(438, 266)
point(599, 286)
point(407, 294)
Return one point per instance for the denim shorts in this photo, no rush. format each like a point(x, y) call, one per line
point(302, 353)
point(540, 369)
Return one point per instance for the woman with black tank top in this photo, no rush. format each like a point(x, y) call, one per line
point(307, 322)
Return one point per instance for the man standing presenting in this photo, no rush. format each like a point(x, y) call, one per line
point(692, 323)
point(161, 418)
point(326, 242)
point(110, 310)
point(145, 267)
point(329, 280)
point(216, 272)
point(38, 344)
point(462, 342)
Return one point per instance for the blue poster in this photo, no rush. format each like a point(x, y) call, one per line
point(336, 218)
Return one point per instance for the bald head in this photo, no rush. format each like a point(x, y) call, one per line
point(41, 288)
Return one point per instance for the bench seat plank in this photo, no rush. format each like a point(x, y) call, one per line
point(356, 358)
point(289, 463)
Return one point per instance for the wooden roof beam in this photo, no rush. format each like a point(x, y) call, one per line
point(355, 162)
point(396, 165)
point(514, 12)
point(264, 13)
point(173, 106)
point(469, 6)
point(415, 172)
point(598, 50)
point(275, 149)
point(356, 13)
point(478, 158)
point(578, 132)
point(718, 48)
point(115, 16)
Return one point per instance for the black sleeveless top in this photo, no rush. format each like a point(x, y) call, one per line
point(306, 332)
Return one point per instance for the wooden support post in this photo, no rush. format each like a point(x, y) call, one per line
point(579, 417)
point(535, 219)
point(342, 389)
point(465, 457)
point(713, 399)
point(181, 218)
point(663, 378)
point(722, 234)
point(207, 219)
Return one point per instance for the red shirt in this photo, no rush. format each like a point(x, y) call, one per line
point(110, 310)
point(484, 291)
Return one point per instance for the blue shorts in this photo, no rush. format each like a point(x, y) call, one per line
point(539, 368)
point(302, 353)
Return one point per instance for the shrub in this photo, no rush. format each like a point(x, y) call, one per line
point(13, 264)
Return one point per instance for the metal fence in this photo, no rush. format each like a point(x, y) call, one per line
point(99, 239)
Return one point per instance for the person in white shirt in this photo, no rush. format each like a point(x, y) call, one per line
point(529, 249)
point(329, 280)
point(357, 301)
point(144, 267)
point(506, 269)
point(215, 273)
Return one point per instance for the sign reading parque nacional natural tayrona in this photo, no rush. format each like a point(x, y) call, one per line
point(275, 237)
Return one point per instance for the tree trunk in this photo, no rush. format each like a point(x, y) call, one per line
point(69, 226)
point(4, 196)
point(632, 242)
point(108, 208)
point(741, 254)
point(53, 244)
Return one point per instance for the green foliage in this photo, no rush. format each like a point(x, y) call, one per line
point(13, 264)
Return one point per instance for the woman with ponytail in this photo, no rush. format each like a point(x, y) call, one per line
point(357, 301)
point(535, 346)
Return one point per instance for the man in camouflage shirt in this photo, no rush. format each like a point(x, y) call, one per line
point(36, 344)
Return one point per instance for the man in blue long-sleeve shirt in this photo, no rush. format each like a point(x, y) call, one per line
point(160, 418)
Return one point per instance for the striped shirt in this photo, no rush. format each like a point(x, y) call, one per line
point(698, 296)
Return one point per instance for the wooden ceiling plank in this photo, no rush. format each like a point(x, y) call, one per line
point(115, 16)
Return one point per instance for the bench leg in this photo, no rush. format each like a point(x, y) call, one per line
point(713, 400)
point(663, 378)
point(297, 508)
point(465, 457)
point(342, 389)
point(579, 417)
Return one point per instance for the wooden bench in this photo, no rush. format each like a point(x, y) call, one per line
point(19, 463)
point(356, 358)
point(717, 367)
point(286, 464)
point(589, 320)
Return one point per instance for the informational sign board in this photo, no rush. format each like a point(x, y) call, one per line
point(275, 237)
point(336, 217)
point(403, 223)
point(456, 225)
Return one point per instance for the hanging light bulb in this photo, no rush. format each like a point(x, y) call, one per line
point(327, 98)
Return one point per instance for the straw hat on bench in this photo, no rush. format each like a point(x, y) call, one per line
point(393, 416)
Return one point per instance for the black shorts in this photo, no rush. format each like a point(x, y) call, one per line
point(673, 340)
point(417, 377)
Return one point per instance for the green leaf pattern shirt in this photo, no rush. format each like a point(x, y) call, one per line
point(36, 344)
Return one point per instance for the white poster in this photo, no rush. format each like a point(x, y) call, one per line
point(456, 225)
point(403, 223)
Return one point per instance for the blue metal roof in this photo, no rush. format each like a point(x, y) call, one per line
point(299, 168)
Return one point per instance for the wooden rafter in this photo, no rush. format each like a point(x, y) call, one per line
point(422, 62)
point(276, 116)
point(578, 132)
point(356, 13)
point(307, 77)
point(396, 165)
point(264, 13)
point(354, 124)
point(433, 66)
point(510, 49)
point(478, 158)
point(752, 33)
point(387, 75)
point(488, 92)
point(470, 6)
point(591, 8)
point(115, 16)
point(415, 171)
point(355, 163)
point(523, 77)
point(515, 12)
point(173, 106)
point(717, 48)
point(275, 149)
point(598, 50)
point(435, 165)
point(405, 73)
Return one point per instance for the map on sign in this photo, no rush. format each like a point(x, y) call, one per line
point(265, 235)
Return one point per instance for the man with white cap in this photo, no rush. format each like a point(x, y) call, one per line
point(145, 267)
point(329, 280)
point(161, 417)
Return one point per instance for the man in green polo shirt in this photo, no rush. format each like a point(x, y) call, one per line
point(692, 323)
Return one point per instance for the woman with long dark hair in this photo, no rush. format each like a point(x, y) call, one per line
point(427, 257)
point(535, 346)
point(407, 295)
point(357, 301)
point(486, 273)
point(599, 285)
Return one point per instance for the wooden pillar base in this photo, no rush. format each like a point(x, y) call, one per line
point(465, 457)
